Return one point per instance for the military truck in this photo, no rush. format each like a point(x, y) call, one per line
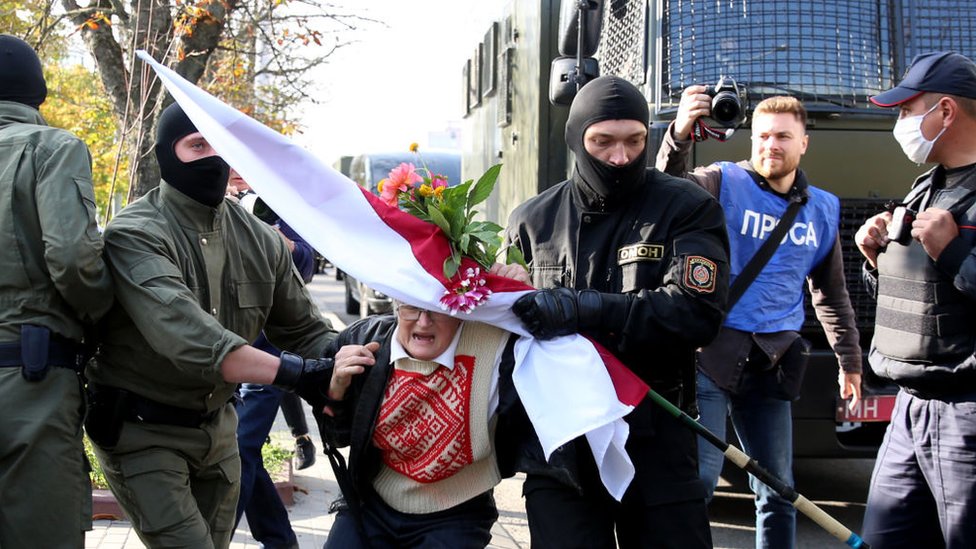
point(831, 54)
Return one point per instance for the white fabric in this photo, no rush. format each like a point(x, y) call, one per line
point(562, 383)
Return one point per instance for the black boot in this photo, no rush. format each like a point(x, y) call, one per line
point(304, 452)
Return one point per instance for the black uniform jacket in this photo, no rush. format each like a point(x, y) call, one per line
point(663, 250)
point(354, 422)
point(664, 246)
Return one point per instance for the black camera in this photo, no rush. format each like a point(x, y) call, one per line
point(900, 228)
point(251, 202)
point(728, 102)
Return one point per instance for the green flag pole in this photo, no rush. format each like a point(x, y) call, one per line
point(741, 460)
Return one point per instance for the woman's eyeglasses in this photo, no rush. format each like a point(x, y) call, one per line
point(410, 313)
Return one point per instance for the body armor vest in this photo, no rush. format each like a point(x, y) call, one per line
point(921, 316)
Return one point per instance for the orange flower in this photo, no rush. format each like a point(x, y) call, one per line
point(414, 147)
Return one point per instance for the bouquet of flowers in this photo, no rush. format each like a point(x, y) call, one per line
point(428, 196)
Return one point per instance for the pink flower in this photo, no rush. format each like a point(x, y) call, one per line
point(466, 293)
point(401, 180)
point(438, 181)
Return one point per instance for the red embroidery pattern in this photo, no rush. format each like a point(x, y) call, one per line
point(423, 428)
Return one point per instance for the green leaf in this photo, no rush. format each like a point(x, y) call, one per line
point(514, 255)
point(451, 267)
point(457, 222)
point(487, 237)
point(461, 190)
point(491, 251)
point(464, 242)
point(438, 218)
point(414, 209)
point(484, 226)
point(482, 190)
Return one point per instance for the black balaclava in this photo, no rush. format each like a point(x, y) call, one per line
point(203, 180)
point(21, 76)
point(606, 98)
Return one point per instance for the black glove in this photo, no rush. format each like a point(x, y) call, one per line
point(308, 377)
point(559, 311)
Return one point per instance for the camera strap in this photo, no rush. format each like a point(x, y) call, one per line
point(764, 253)
point(701, 131)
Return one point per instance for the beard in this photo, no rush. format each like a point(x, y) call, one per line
point(785, 167)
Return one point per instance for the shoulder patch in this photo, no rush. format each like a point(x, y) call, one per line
point(700, 274)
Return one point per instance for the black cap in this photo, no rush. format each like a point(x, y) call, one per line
point(21, 76)
point(937, 72)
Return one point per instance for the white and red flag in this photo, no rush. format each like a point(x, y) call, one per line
point(569, 386)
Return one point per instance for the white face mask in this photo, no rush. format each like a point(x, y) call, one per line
point(908, 134)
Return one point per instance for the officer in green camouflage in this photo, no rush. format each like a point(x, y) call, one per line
point(196, 279)
point(52, 282)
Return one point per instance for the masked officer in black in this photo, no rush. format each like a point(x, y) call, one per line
point(921, 263)
point(637, 260)
point(196, 279)
point(52, 282)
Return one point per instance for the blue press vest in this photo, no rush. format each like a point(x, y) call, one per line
point(774, 300)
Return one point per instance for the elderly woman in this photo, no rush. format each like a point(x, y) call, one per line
point(421, 398)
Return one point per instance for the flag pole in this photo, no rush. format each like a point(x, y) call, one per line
point(743, 461)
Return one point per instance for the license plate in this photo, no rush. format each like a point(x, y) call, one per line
point(870, 408)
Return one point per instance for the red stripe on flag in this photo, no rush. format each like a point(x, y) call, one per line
point(427, 241)
point(629, 387)
point(430, 246)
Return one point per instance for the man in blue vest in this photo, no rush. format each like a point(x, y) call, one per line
point(759, 346)
point(923, 490)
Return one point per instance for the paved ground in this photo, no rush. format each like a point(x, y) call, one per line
point(311, 521)
point(838, 486)
point(317, 488)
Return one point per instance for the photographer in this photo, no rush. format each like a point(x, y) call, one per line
point(754, 368)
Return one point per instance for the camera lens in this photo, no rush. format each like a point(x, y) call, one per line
point(726, 108)
point(264, 213)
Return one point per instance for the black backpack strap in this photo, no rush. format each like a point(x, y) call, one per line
point(765, 252)
point(344, 480)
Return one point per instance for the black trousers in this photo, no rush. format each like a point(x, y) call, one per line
point(464, 526)
point(664, 507)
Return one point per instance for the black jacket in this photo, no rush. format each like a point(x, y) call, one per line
point(354, 422)
point(659, 254)
point(646, 248)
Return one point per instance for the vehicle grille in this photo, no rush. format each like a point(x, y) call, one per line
point(623, 43)
point(835, 53)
